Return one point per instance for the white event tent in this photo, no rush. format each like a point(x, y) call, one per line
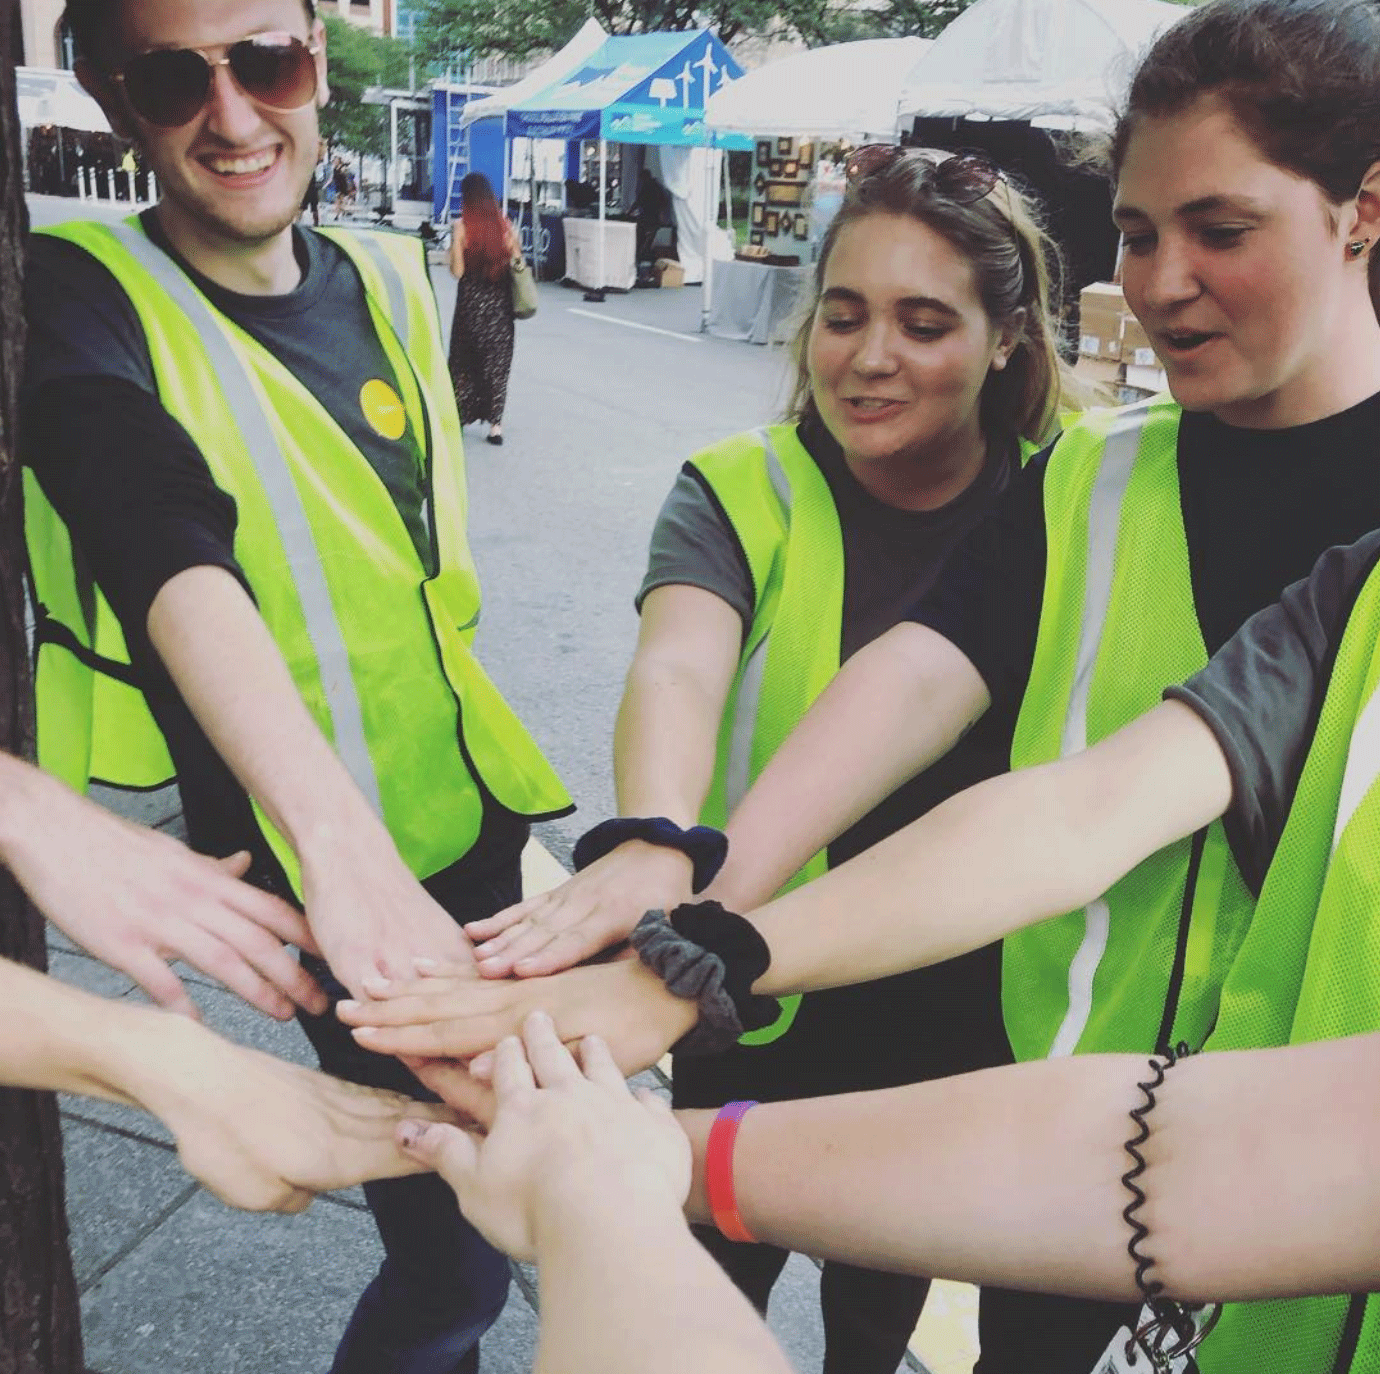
point(846, 90)
point(555, 69)
point(1060, 64)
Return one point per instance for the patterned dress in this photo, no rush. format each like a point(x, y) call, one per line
point(481, 346)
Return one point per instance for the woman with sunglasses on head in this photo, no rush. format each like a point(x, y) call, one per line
point(925, 365)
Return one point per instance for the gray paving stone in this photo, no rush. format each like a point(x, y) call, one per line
point(794, 1317)
point(89, 974)
point(116, 1189)
point(213, 1291)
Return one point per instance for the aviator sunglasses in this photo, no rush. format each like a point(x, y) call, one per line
point(963, 178)
point(169, 87)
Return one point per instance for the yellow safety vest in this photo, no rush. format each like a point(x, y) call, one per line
point(380, 651)
point(1143, 964)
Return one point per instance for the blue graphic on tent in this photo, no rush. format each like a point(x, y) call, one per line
point(635, 88)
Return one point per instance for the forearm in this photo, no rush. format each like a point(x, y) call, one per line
point(1260, 1182)
point(617, 1281)
point(227, 667)
point(61, 1039)
point(1005, 854)
point(895, 707)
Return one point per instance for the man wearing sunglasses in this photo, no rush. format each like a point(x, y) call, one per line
point(245, 513)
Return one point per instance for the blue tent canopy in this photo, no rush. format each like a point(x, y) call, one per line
point(635, 88)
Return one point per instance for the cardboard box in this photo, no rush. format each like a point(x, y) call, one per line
point(1148, 379)
point(1101, 309)
point(1099, 371)
point(669, 272)
point(1136, 348)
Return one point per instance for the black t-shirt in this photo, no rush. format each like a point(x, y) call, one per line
point(138, 496)
point(890, 558)
point(1263, 692)
point(1259, 506)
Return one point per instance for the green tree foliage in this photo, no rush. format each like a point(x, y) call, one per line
point(448, 28)
point(359, 59)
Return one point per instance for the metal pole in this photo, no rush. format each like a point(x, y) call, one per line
point(393, 144)
point(711, 227)
point(603, 196)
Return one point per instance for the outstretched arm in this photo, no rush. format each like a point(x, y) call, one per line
point(368, 913)
point(1010, 852)
point(137, 899)
point(895, 707)
point(259, 1133)
point(663, 755)
point(587, 1180)
point(1261, 1179)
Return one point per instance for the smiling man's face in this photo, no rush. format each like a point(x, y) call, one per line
point(235, 174)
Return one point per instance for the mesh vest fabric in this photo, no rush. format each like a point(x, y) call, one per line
point(1117, 626)
point(328, 557)
point(783, 514)
point(1309, 968)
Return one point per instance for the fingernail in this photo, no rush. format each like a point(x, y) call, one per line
point(482, 1064)
point(425, 965)
point(347, 1004)
point(364, 1032)
point(376, 984)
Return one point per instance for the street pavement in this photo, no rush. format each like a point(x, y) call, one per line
point(607, 400)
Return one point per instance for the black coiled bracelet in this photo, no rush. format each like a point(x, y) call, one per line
point(1190, 1323)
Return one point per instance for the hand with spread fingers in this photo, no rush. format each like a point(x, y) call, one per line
point(592, 910)
point(138, 900)
point(589, 1180)
point(561, 1130)
point(450, 1015)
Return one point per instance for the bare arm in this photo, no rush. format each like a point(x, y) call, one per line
point(1261, 1180)
point(368, 913)
point(457, 250)
point(663, 755)
point(589, 1181)
point(261, 1134)
point(1005, 854)
point(138, 899)
point(895, 707)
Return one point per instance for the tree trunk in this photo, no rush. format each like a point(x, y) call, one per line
point(40, 1323)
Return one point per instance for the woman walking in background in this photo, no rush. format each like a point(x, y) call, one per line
point(483, 248)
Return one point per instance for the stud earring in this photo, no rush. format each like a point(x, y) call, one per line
point(1357, 246)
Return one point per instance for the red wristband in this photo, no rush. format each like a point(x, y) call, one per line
point(718, 1172)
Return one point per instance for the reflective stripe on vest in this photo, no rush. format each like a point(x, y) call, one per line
point(347, 725)
point(1117, 625)
point(783, 514)
point(326, 552)
point(1307, 971)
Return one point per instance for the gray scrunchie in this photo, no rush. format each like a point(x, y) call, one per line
point(692, 972)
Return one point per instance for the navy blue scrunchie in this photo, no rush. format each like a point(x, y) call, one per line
point(705, 847)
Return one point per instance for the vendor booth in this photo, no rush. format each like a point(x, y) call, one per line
point(642, 89)
point(65, 140)
point(792, 110)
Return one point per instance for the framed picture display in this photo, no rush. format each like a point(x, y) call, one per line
point(759, 213)
point(763, 150)
point(785, 147)
point(802, 227)
point(791, 168)
point(772, 222)
point(806, 154)
point(785, 193)
point(774, 167)
point(757, 238)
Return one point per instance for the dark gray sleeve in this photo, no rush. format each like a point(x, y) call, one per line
point(694, 545)
point(80, 322)
point(1262, 693)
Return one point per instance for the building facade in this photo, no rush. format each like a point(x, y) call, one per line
point(45, 36)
